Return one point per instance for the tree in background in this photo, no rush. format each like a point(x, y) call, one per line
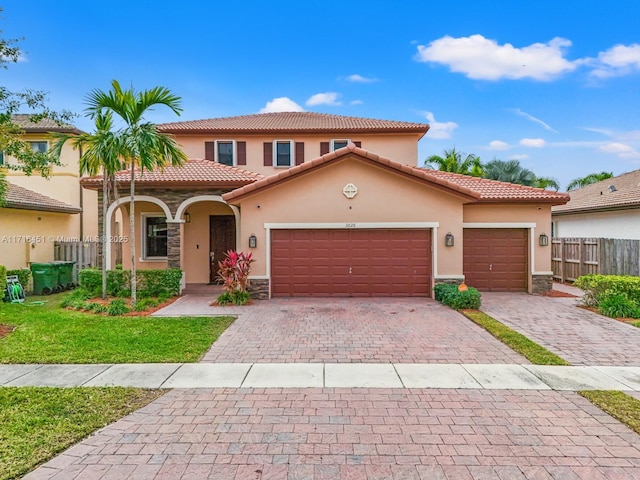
point(588, 180)
point(509, 171)
point(142, 147)
point(547, 183)
point(456, 162)
point(11, 142)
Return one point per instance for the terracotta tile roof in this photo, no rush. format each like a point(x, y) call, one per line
point(599, 196)
point(24, 199)
point(472, 189)
point(292, 122)
point(492, 190)
point(43, 126)
point(195, 172)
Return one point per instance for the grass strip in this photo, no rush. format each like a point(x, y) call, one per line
point(533, 352)
point(50, 334)
point(619, 405)
point(37, 423)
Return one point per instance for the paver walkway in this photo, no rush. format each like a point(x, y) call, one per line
point(357, 330)
point(578, 335)
point(297, 434)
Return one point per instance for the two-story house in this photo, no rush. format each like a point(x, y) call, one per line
point(40, 211)
point(333, 205)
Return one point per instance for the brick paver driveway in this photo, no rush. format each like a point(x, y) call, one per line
point(357, 330)
point(579, 336)
point(297, 434)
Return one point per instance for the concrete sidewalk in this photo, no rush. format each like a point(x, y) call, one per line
point(330, 375)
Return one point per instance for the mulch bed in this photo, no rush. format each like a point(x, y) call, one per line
point(145, 313)
point(558, 294)
point(621, 319)
point(5, 330)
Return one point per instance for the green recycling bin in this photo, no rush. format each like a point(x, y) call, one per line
point(65, 273)
point(45, 278)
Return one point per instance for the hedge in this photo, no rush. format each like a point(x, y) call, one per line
point(450, 295)
point(597, 287)
point(151, 283)
point(24, 276)
point(3, 279)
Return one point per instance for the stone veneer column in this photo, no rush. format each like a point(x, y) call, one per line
point(173, 244)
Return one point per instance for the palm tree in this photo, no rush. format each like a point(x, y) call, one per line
point(588, 180)
point(509, 171)
point(142, 147)
point(453, 161)
point(100, 154)
point(547, 183)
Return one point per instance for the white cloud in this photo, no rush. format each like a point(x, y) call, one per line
point(327, 98)
point(629, 135)
point(532, 142)
point(498, 145)
point(360, 79)
point(621, 149)
point(533, 119)
point(439, 129)
point(483, 59)
point(618, 60)
point(356, 102)
point(281, 104)
point(519, 156)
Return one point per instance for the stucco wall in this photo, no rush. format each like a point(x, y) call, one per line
point(401, 148)
point(28, 236)
point(616, 224)
point(382, 196)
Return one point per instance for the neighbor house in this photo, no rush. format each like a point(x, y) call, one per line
point(333, 206)
point(41, 211)
point(606, 209)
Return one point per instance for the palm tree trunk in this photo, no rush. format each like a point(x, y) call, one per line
point(105, 243)
point(132, 237)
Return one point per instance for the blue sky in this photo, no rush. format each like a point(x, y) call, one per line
point(554, 84)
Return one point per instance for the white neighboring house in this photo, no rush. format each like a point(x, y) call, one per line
point(606, 209)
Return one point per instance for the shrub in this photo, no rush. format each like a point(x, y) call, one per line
point(3, 278)
point(145, 304)
point(80, 294)
point(24, 276)
point(234, 273)
point(597, 286)
point(451, 295)
point(151, 283)
point(117, 307)
point(94, 307)
point(235, 298)
point(617, 305)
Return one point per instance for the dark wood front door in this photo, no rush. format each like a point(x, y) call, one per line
point(222, 238)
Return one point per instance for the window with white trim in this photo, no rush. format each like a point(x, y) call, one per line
point(283, 153)
point(340, 143)
point(40, 147)
point(154, 237)
point(226, 152)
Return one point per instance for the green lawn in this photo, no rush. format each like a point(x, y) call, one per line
point(50, 334)
point(38, 423)
point(617, 404)
point(536, 354)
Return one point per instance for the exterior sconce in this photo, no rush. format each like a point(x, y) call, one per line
point(448, 240)
point(253, 241)
point(187, 217)
point(543, 240)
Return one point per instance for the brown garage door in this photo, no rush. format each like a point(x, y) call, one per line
point(495, 259)
point(350, 263)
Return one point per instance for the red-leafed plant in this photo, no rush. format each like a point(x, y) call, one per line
point(234, 273)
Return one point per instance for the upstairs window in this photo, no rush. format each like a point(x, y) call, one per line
point(40, 147)
point(283, 153)
point(155, 237)
point(336, 144)
point(225, 152)
point(1, 159)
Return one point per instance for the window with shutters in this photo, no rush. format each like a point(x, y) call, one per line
point(226, 152)
point(283, 153)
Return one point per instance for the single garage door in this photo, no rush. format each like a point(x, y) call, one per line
point(495, 259)
point(350, 263)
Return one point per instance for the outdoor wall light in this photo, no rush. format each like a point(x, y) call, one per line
point(253, 241)
point(448, 240)
point(187, 217)
point(543, 240)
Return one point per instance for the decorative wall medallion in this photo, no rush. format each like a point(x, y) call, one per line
point(350, 190)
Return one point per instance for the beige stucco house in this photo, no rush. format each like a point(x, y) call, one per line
point(41, 211)
point(333, 206)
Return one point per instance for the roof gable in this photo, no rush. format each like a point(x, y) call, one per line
point(293, 122)
point(25, 199)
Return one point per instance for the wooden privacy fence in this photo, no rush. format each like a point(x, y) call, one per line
point(84, 254)
point(572, 257)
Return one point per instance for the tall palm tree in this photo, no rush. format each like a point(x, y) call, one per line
point(547, 183)
point(509, 171)
point(453, 161)
point(100, 153)
point(588, 180)
point(142, 146)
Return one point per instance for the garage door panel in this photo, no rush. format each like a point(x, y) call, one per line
point(357, 262)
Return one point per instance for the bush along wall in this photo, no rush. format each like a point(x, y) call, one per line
point(454, 297)
point(151, 283)
point(3, 280)
point(615, 296)
point(24, 276)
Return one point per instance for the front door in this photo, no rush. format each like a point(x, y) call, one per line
point(222, 238)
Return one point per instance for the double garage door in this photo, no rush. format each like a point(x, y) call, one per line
point(495, 259)
point(351, 263)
